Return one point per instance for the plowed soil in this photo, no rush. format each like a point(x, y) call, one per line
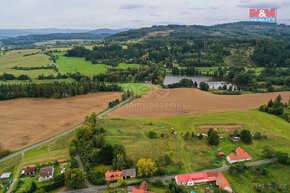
point(24, 122)
point(189, 101)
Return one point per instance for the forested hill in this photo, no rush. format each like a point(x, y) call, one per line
point(221, 31)
point(31, 39)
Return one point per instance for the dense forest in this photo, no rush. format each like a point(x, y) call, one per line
point(221, 31)
point(56, 89)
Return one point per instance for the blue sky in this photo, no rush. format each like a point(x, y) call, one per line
point(93, 14)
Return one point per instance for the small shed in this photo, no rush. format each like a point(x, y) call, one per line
point(5, 176)
point(129, 173)
point(221, 154)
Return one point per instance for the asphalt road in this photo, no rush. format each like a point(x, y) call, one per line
point(96, 189)
point(61, 134)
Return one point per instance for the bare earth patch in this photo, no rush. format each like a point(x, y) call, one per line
point(26, 121)
point(228, 128)
point(190, 101)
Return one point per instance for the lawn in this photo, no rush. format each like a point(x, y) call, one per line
point(194, 153)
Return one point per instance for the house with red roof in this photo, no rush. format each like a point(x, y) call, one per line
point(191, 179)
point(142, 189)
point(113, 175)
point(203, 177)
point(239, 156)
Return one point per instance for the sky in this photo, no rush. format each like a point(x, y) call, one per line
point(94, 14)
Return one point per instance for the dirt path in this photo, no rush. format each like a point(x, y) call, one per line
point(190, 101)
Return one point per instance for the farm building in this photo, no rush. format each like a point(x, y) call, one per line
point(191, 179)
point(28, 171)
point(239, 156)
point(129, 173)
point(5, 176)
point(46, 174)
point(113, 176)
point(204, 177)
point(142, 189)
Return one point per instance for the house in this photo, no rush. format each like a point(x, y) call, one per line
point(191, 179)
point(239, 156)
point(28, 171)
point(46, 174)
point(113, 176)
point(204, 177)
point(221, 138)
point(221, 154)
point(142, 189)
point(129, 173)
point(5, 176)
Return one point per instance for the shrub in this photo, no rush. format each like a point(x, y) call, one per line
point(152, 134)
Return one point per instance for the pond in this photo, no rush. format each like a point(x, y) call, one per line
point(213, 84)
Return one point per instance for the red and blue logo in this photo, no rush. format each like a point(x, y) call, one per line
point(263, 15)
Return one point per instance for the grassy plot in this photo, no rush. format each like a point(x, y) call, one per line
point(75, 64)
point(195, 154)
point(138, 88)
point(16, 58)
point(278, 176)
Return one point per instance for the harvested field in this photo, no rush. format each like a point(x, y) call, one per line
point(228, 128)
point(26, 121)
point(190, 101)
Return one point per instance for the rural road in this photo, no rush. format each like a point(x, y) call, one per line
point(61, 134)
point(81, 167)
point(96, 189)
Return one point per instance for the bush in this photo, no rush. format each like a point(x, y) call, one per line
point(203, 86)
point(152, 134)
point(282, 157)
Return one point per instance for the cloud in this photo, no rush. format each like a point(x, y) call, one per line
point(131, 6)
point(263, 4)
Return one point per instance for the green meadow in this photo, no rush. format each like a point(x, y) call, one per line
point(278, 176)
point(195, 154)
point(16, 58)
point(76, 64)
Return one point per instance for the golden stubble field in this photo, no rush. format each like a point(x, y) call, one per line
point(189, 101)
point(26, 121)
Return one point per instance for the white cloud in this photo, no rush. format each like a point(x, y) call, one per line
point(92, 14)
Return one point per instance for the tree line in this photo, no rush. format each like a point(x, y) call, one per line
point(56, 89)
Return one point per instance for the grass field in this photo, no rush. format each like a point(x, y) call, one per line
point(75, 64)
point(244, 183)
point(137, 88)
point(16, 58)
point(196, 154)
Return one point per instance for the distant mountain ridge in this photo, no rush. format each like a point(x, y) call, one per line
point(11, 33)
point(109, 31)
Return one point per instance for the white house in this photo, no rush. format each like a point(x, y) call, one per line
point(5, 176)
point(239, 156)
point(191, 179)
